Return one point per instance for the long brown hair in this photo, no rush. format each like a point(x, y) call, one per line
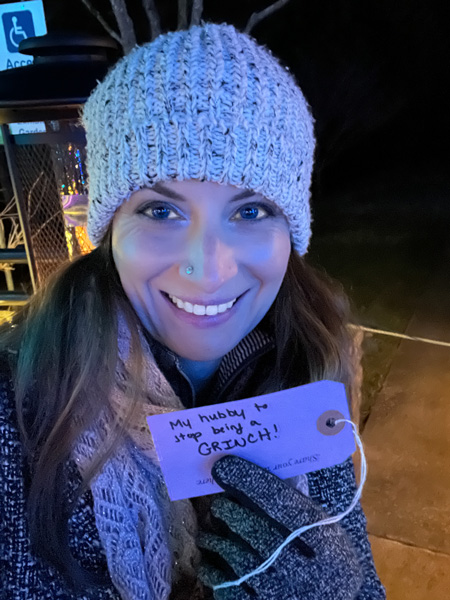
point(65, 347)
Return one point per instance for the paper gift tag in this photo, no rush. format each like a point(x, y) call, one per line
point(289, 433)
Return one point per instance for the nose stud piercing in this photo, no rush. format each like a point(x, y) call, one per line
point(189, 270)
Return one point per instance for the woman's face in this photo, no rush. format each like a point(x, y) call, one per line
point(238, 243)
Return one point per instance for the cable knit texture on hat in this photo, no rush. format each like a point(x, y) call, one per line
point(206, 103)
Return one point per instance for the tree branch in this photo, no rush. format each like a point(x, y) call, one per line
point(125, 24)
point(182, 14)
point(262, 14)
point(102, 21)
point(197, 10)
point(153, 17)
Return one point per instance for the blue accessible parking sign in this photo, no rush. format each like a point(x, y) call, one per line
point(17, 26)
point(19, 21)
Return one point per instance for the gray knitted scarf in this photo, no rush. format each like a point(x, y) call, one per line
point(149, 541)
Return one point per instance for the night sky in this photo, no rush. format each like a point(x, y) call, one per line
point(375, 73)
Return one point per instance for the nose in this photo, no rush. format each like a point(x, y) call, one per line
point(210, 261)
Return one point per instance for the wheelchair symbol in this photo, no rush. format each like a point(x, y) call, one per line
point(16, 34)
point(17, 26)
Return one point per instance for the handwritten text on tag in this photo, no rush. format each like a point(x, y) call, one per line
point(289, 433)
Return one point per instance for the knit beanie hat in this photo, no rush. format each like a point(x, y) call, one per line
point(206, 103)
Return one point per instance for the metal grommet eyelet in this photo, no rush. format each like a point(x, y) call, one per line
point(327, 425)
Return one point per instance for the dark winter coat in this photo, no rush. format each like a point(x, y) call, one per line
point(25, 576)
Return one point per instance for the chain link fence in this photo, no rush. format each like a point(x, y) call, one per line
point(51, 169)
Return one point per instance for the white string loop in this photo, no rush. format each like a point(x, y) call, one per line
point(328, 521)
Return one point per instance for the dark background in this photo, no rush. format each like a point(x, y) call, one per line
point(377, 77)
point(375, 73)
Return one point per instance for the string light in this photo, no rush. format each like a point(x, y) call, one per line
point(69, 171)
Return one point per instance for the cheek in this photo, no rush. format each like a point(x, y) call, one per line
point(269, 258)
point(134, 254)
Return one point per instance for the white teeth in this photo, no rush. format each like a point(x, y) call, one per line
point(201, 310)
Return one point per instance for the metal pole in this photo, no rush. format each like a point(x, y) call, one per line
point(20, 202)
point(6, 269)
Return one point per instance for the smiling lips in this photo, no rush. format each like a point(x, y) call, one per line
point(200, 309)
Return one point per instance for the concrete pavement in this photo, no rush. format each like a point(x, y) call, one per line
point(407, 443)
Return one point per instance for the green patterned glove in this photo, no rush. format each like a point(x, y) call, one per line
point(257, 514)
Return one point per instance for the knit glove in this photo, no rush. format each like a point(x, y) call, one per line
point(256, 515)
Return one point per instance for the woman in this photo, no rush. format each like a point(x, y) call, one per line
point(200, 151)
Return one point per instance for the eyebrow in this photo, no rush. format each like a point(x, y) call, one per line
point(159, 188)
